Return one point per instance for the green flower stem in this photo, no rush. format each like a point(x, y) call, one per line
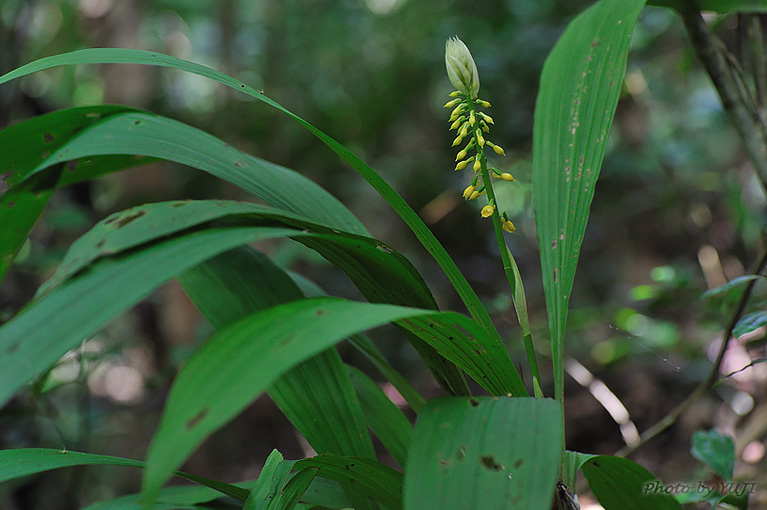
point(508, 267)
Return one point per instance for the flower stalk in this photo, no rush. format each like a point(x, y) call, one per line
point(469, 122)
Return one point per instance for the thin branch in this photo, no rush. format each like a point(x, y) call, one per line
point(713, 375)
point(744, 116)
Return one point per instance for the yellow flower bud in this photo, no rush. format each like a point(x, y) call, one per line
point(480, 140)
point(472, 119)
point(508, 226)
point(498, 150)
point(461, 165)
point(457, 140)
point(460, 155)
point(457, 123)
point(506, 176)
point(477, 165)
point(464, 130)
point(455, 93)
point(457, 111)
point(474, 195)
point(468, 192)
point(452, 103)
point(485, 127)
point(461, 68)
point(487, 211)
point(484, 104)
point(487, 118)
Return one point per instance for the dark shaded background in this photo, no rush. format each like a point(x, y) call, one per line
point(677, 210)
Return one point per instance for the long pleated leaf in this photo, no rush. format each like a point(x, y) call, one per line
point(580, 85)
point(424, 235)
point(384, 418)
point(231, 369)
point(381, 273)
point(29, 461)
point(377, 481)
point(40, 334)
point(366, 346)
point(484, 453)
point(33, 141)
point(317, 396)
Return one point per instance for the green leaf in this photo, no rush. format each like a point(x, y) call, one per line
point(381, 273)
point(33, 141)
point(169, 498)
point(40, 334)
point(750, 322)
point(78, 144)
point(579, 90)
point(621, 484)
point(270, 481)
point(383, 417)
point(275, 489)
point(28, 461)
point(317, 395)
point(363, 344)
point(373, 479)
point(484, 453)
point(721, 6)
point(220, 379)
point(716, 451)
point(734, 286)
point(573, 463)
point(424, 235)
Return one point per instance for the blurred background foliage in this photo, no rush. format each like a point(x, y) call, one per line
point(678, 209)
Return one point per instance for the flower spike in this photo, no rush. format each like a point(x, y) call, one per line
point(471, 123)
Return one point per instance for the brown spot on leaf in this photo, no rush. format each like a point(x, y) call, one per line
point(12, 348)
point(319, 313)
point(473, 402)
point(488, 462)
point(72, 165)
point(48, 137)
point(131, 217)
point(193, 422)
point(238, 164)
point(460, 454)
point(518, 463)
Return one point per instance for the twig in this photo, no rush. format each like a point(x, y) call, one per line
point(712, 377)
point(744, 116)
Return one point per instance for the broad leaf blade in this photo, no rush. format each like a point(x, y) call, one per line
point(317, 395)
point(33, 140)
point(29, 461)
point(579, 91)
point(383, 417)
point(220, 380)
point(424, 235)
point(39, 335)
point(484, 453)
point(715, 450)
point(375, 480)
point(621, 484)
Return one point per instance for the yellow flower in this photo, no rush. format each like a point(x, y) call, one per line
point(508, 226)
point(506, 176)
point(477, 165)
point(461, 69)
point(468, 192)
point(461, 165)
point(488, 211)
